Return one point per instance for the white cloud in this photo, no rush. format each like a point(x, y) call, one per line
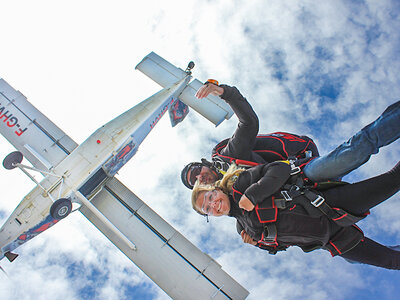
point(75, 62)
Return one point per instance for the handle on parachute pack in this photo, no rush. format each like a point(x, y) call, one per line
point(245, 163)
point(213, 81)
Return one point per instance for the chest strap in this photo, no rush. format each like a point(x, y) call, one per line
point(311, 198)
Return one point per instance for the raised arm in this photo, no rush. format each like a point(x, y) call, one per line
point(242, 142)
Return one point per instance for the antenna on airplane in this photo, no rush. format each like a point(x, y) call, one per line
point(189, 67)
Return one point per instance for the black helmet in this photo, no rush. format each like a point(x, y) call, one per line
point(195, 168)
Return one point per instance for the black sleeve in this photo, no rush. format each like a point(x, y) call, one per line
point(242, 142)
point(265, 180)
point(239, 227)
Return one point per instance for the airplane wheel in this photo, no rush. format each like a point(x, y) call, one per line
point(11, 159)
point(61, 208)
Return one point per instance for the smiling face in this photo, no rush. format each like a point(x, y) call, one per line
point(213, 203)
point(203, 174)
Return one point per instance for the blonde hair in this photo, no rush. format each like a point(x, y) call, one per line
point(225, 184)
point(230, 177)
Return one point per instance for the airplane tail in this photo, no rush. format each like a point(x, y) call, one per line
point(165, 74)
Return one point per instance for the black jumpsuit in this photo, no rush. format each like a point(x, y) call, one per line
point(298, 228)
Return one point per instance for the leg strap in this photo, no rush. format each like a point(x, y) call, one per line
point(270, 233)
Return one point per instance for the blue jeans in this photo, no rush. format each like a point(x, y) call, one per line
point(358, 149)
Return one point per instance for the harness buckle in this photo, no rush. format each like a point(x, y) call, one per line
point(295, 170)
point(318, 201)
point(286, 195)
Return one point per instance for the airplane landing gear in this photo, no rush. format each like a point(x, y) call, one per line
point(61, 208)
point(12, 159)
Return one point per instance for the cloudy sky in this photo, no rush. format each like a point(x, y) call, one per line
point(321, 68)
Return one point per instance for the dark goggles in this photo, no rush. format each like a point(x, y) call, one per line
point(194, 171)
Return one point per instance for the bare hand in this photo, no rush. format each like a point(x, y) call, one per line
point(247, 239)
point(208, 89)
point(245, 203)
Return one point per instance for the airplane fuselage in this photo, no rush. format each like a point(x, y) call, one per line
point(88, 167)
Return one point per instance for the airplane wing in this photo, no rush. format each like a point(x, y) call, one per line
point(166, 256)
point(31, 132)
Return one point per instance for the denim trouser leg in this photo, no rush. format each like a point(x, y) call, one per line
point(358, 149)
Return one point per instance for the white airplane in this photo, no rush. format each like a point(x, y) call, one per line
point(84, 175)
